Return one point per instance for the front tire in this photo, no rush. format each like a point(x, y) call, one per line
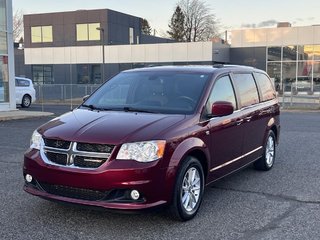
point(188, 191)
point(265, 163)
point(26, 101)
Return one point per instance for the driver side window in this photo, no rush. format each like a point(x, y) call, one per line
point(222, 91)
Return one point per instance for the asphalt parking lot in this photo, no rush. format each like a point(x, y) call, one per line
point(283, 203)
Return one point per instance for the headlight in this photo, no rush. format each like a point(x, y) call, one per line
point(142, 151)
point(36, 140)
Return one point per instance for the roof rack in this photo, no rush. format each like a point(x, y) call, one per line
point(218, 65)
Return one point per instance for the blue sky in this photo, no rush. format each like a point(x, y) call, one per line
point(231, 14)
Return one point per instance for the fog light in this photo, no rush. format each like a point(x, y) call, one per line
point(28, 178)
point(135, 194)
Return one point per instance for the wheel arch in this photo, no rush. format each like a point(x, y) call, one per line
point(28, 95)
point(201, 156)
point(193, 147)
point(273, 127)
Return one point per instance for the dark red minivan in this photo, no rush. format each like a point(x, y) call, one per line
point(156, 136)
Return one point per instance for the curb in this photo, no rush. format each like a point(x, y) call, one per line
point(16, 115)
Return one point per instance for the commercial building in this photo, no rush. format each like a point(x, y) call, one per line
point(7, 83)
point(67, 47)
point(290, 55)
point(71, 47)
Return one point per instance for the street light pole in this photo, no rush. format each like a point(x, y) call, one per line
point(103, 56)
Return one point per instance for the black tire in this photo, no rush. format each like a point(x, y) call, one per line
point(26, 101)
point(266, 162)
point(178, 209)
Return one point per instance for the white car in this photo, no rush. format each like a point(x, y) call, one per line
point(25, 92)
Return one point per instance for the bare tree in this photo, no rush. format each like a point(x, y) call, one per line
point(200, 23)
point(17, 25)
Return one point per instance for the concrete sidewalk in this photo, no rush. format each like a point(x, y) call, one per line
point(19, 114)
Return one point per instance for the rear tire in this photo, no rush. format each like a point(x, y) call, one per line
point(188, 191)
point(26, 101)
point(265, 163)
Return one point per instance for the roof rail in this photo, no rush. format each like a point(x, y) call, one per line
point(218, 65)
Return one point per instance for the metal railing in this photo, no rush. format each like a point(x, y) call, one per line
point(302, 96)
point(293, 96)
point(63, 92)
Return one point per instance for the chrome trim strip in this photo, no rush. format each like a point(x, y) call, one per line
point(71, 153)
point(92, 160)
point(234, 160)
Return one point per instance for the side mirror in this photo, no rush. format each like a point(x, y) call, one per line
point(85, 98)
point(220, 109)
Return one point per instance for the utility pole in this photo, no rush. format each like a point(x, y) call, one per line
point(103, 56)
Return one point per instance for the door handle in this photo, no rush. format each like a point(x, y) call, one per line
point(248, 119)
point(239, 122)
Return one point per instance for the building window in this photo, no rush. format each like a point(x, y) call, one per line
point(88, 32)
point(316, 76)
point(294, 67)
point(305, 52)
point(274, 53)
point(131, 36)
point(3, 15)
point(89, 74)
point(288, 75)
point(316, 52)
point(274, 71)
point(304, 76)
point(42, 74)
point(41, 34)
point(3, 43)
point(4, 79)
point(289, 53)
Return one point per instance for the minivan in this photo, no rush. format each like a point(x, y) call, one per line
point(156, 136)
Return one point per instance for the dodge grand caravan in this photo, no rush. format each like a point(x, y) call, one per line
point(156, 136)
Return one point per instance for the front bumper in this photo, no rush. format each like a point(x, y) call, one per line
point(107, 186)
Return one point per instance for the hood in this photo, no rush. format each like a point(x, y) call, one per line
point(109, 127)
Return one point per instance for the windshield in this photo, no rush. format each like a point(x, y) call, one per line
point(156, 92)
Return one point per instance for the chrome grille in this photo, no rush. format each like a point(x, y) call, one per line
point(57, 158)
point(77, 155)
point(72, 192)
point(88, 147)
point(55, 143)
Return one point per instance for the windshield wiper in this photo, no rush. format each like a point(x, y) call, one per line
point(131, 109)
point(126, 109)
point(92, 107)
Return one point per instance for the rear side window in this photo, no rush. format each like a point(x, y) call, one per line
point(222, 91)
point(22, 83)
point(265, 85)
point(247, 89)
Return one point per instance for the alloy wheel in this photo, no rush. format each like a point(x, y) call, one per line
point(270, 151)
point(190, 191)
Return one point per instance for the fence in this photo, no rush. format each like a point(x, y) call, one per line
point(303, 96)
point(63, 92)
point(293, 96)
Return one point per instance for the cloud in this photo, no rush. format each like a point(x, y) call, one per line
point(267, 23)
point(249, 25)
point(299, 19)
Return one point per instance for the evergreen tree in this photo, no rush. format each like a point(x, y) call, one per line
point(177, 25)
point(145, 27)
